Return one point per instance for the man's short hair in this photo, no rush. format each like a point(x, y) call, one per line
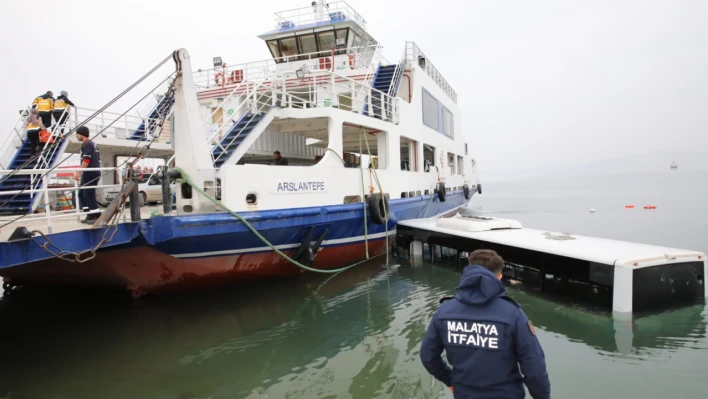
point(276, 153)
point(487, 259)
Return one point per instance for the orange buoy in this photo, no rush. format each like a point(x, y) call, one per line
point(629, 206)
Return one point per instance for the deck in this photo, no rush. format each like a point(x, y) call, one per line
point(67, 224)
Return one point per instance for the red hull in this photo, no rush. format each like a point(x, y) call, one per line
point(146, 270)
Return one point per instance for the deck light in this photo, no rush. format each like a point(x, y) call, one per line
point(217, 62)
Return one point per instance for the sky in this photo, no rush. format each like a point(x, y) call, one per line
point(541, 84)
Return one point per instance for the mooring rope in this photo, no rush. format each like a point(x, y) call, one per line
point(186, 179)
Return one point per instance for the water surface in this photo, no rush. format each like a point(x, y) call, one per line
point(357, 334)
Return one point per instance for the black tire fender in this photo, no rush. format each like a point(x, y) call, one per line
point(377, 202)
point(479, 188)
point(466, 191)
point(441, 192)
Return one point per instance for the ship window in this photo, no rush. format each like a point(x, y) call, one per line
point(357, 40)
point(451, 162)
point(274, 49)
point(409, 156)
point(288, 47)
point(326, 40)
point(341, 40)
point(430, 111)
point(428, 157)
point(460, 164)
point(308, 44)
point(448, 125)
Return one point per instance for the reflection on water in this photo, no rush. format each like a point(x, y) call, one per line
point(354, 335)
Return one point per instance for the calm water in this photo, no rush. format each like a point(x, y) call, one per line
point(357, 335)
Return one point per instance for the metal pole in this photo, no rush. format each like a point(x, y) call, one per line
point(134, 201)
point(166, 194)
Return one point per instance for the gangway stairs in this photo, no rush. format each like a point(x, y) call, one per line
point(235, 136)
point(22, 203)
point(386, 80)
point(158, 113)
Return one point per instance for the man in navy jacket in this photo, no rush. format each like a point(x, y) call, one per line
point(487, 338)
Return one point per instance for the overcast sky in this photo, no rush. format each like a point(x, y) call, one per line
point(540, 83)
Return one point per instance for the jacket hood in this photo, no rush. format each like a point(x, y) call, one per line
point(479, 286)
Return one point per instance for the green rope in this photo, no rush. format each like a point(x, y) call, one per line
point(378, 183)
point(363, 195)
point(363, 203)
point(185, 179)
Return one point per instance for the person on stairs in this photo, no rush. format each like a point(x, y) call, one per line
point(62, 107)
point(45, 105)
point(90, 158)
point(34, 127)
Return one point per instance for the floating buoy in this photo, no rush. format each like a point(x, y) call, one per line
point(629, 206)
point(650, 207)
point(592, 210)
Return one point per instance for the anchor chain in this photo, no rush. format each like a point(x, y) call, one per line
point(84, 256)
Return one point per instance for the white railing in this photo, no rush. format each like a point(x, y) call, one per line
point(363, 57)
point(413, 53)
point(255, 104)
point(48, 152)
point(334, 11)
point(121, 126)
point(397, 76)
point(47, 204)
point(240, 89)
point(13, 140)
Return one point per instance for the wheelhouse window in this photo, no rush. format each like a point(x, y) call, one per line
point(274, 49)
point(308, 44)
point(341, 42)
point(288, 47)
point(430, 111)
point(326, 40)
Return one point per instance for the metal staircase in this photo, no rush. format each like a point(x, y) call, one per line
point(235, 136)
point(387, 80)
point(17, 204)
point(158, 113)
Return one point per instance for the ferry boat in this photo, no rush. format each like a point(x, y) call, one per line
point(367, 142)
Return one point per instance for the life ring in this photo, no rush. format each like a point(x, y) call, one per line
point(379, 208)
point(466, 191)
point(140, 176)
point(441, 192)
point(219, 78)
point(352, 61)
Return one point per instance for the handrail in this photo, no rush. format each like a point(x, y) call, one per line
point(252, 104)
point(48, 174)
point(305, 15)
point(289, 64)
point(52, 145)
point(9, 139)
point(412, 54)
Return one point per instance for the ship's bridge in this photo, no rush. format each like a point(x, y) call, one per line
point(334, 33)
